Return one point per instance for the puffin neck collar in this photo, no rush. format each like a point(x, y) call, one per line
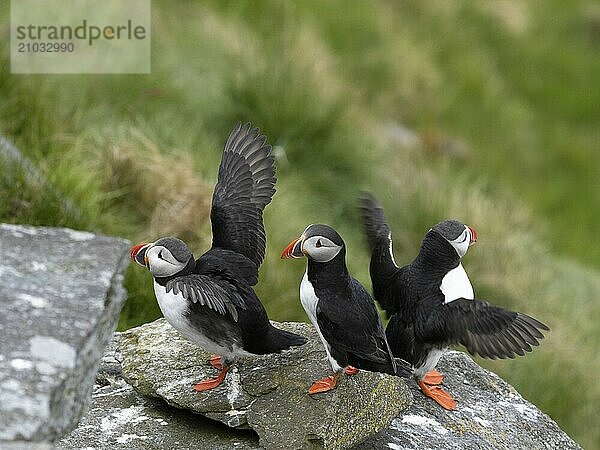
point(331, 272)
point(436, 253)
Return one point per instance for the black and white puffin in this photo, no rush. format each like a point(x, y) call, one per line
point(341, 309)
point(431, 303)
point(210, 300)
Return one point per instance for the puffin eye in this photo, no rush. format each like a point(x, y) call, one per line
point(318, 244)
point(160, 256)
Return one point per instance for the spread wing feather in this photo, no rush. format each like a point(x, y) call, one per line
point(377, 230)
point(245, 185)
point(491, 331)
point(215, 293)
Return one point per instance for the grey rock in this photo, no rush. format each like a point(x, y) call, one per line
point(491, 414)
point(61, 293)
point(266, 393)
point(119, 418)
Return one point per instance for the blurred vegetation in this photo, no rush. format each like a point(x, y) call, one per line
point(483, 111)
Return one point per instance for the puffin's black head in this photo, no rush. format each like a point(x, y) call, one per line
point(319, 243)
point(164, 258)
point(459, 235)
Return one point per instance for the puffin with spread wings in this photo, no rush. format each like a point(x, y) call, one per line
point(431, 303)
point(210, 301)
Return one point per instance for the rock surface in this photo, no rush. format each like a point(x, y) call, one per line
point(266, 393)
point(490, 415)
point(121, 419)
point(61, 293)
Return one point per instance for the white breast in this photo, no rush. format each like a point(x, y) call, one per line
point(456, 284)
point(174, 308)
point(309, 301)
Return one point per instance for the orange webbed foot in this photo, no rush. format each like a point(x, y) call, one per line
point(350, 370)
point(433, 378)
point(442, 398)
point(215, 361)
point(211, 383)
point(324, 384)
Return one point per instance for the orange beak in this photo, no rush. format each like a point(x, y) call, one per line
point(294, 249)
point(137, 253)
point(473, 236)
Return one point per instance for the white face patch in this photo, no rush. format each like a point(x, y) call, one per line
point(309, 301)
point(456, 284)
point(461, 243)
point(320, 248)
point(161, 262)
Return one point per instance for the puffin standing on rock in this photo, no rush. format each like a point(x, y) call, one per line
point(210, 301)
point(341, 309)
point(431, 303)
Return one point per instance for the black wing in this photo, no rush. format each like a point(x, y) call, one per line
point(377, 230)
point(488, 330)
point(211, 291)
point(353, 326)
point(245, 186)
point(383, 269)
point(235, 263)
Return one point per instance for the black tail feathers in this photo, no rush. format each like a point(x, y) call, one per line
point(400, 368)
point(403, 368)
point(282, 340)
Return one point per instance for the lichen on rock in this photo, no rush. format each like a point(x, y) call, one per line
point(490, 414)
point(61, 293)
point(267, 393)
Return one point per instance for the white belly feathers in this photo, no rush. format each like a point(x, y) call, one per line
point(430, 362)
point(174, 308)
point(309, 301)
point(456, 284)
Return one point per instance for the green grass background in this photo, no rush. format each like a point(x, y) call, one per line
point(487, 112)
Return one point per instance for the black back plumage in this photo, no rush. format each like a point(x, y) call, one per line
point(349, 321)
point(420, 320)
point(246, 184)
point(240, 314)
point(358, 339)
